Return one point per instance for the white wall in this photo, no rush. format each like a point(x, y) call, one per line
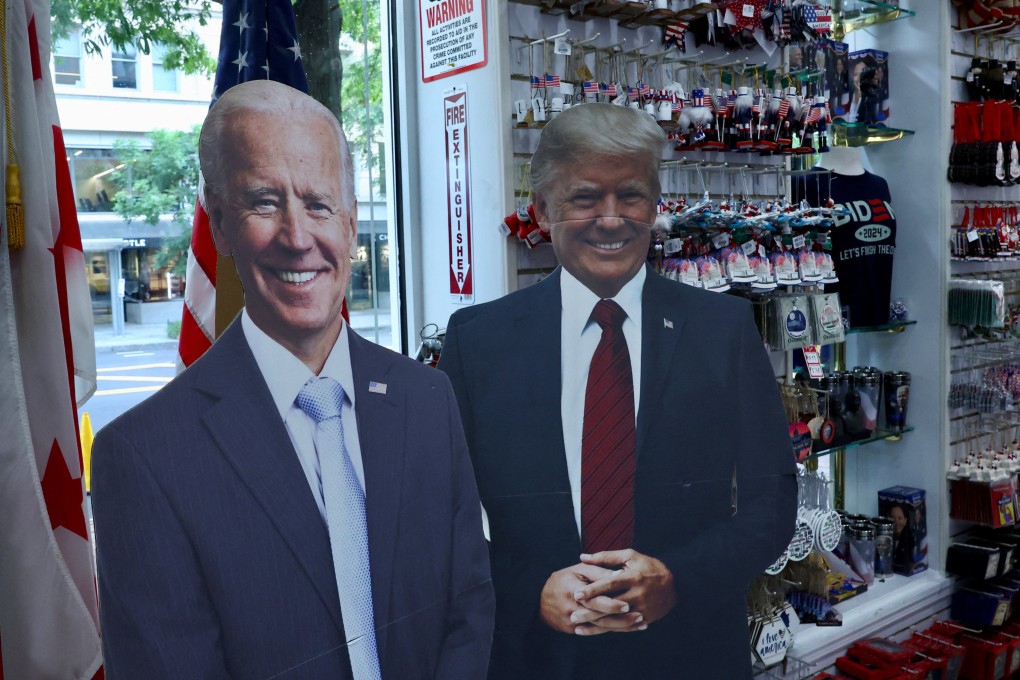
point(424, 173)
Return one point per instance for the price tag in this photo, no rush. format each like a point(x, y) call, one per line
point(721, 240)
point(970, 77)
point(973, 235)
point(504, 230)
point(748, 10)
point(1007, 80)
point(761, 250)
point(814, 365)
point(749, 247)
point(578, 7)
point(561, 46)
point(535, 237)
point(798, 242)
point(671, 246)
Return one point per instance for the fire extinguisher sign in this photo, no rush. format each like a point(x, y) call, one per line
point(458, 194)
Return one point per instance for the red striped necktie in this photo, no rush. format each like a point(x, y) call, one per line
point(608, 440)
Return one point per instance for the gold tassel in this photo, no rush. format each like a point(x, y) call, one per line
point(15, 213)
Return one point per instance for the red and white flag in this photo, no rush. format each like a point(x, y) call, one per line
point(48, 610)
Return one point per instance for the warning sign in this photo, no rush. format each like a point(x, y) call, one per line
point(452, 37)
point(458, 194)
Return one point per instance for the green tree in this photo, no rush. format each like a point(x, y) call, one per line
point(160, 181)
point(320, 24)
point(140, 22)
point(361, 93)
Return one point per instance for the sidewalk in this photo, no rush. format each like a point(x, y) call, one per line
point(149, 336)
point(136, 336)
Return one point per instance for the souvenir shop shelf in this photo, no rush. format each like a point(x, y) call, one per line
point(892, 327)
point(876, 436)
point(627, 13)
point(856, 14)
point(860, 134)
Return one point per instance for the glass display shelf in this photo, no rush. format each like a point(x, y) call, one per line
point(852, 15)
point(862, 134)
point(891, 327)
point(876, 436)
point(629, 13)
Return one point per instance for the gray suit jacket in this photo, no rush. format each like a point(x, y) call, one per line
point(715, 487)
point(214, 561)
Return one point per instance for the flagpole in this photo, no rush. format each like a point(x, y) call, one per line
point(12, 184)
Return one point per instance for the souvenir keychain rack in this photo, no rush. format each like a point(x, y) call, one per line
point(984, 254)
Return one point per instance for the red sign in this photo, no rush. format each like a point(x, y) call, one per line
point(458, 194)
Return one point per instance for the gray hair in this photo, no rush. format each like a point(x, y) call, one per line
point(268, 97)
point(594, 131)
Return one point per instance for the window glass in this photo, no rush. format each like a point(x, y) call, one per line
point(97, 270)
point(67, 60)
point(144, 279)
point(125, 66)
point(90, 175)
point(163, 79)
point(364, 79)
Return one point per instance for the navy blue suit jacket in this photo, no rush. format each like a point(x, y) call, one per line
point(715, 487)
point(214, 561)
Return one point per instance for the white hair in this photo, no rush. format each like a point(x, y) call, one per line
point(268, 97)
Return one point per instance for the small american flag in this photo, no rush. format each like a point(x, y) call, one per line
point(818, 19)
point(590, 87)
point(609, 89)
point(644, 89)
point(784, 109)
point(676, 33)
point(632, 93)
point(537, 83)
point(552, 81)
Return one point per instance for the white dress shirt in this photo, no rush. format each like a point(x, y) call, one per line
point(579, 336)
point(286, 375)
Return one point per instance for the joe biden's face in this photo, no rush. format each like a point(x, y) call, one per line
point(279, 211)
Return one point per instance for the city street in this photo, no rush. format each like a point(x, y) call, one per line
point(125, 379)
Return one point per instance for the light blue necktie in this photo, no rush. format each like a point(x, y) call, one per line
point(322, 399)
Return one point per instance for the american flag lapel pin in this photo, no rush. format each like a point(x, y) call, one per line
point(376, 387)
point(666, 323)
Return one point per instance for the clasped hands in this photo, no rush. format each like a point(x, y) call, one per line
point(619, 591)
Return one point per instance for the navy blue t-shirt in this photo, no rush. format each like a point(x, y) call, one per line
point(863, 242)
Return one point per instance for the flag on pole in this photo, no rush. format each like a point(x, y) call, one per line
point(48, 609)
point(258, 40)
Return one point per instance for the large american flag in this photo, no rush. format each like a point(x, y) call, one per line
point(258, 41)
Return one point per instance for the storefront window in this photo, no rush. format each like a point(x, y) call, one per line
point(97, 269)
point(125, 67)
point(90, 175)
point(144, 280)
point(67, 59)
